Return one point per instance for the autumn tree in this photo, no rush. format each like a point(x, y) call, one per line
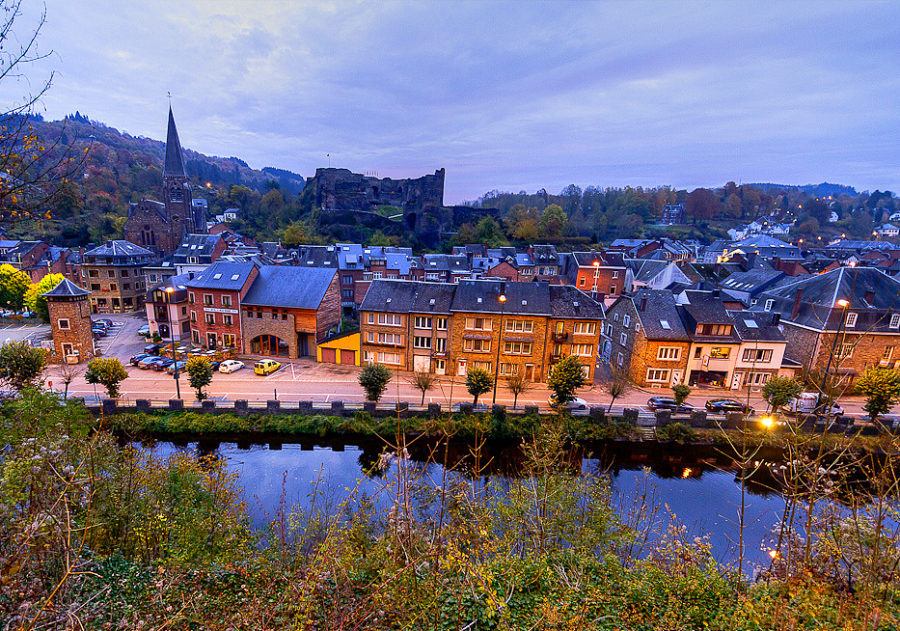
point(566, 377)
point(108, 372)
point(553, 221)
point(701, 204)
point(779, 391)
point(517, 384)
point(200, 374)
point(422, 381)
point(489, 233)
point(13, 286)
point(881, 388)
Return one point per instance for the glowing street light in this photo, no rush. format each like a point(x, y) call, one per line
point(169, 291)
point(768, 421)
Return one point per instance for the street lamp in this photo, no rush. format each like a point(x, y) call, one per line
point(502, 299)
point(169, 292)
point(843, 304)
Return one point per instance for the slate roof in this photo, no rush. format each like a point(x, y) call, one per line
point(660, 307)
point(545, 254)
point(317, 256)
point(873, 296)
point(66, 289)
point(289, 286)
point(445, 262)
point(847, 244)
point(752, 281)
point(567, 301)
point(766, 329)
point(407, 296)
point(761, 241)
point(196, 245)
point(174, 164)
point(225, 275)
point(482, 296)
point(645, 269)
point(119, 247)
point(606, 259)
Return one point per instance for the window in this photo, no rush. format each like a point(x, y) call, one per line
point(229, 340)
point(390, 319)
point(274, 315)
point(124, 273)
point(885, 356)
point(716, 330)
point(581, 281)
point(421, 342)
point(477, 346)
point(851, 320)
point(195, 336)
point(517, 348)
point(584, 328)
point(479, 324)
point(520, 326)
point(193, 316)
point(388, 339)
point(440, 344)
point(612, 289)
point(668, 353)
point(698, 352)
point(615, 274)
point(582, 350)
point(370, 318)
point(126, 286)
point(388, 358)
point(208, 299)
point(758, 378)
point(226, 320)
point(432, 276)
point(507, 369)
point(620, 359)
point(845, 350)
point(658, 375)
point(226, 301)
point(347, 294)
point(183, 310)
point(769, 304)
point(665, 324)
point(93, 273)
point(422, 322)
point(719, 352)
point(111, 273)
point(95, 286)
point(210, 318)
point(485, 365)
point(895, 320)
point(113, 287)
point(442, 324)
point(616, 317)
point(191, 297)
point(63, 323)
point(763, 355)
point(623, 340)
point(347, 280)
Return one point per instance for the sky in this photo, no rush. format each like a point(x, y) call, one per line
point(507, 96)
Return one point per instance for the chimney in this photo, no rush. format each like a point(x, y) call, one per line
point(190, 275)
point(109, 244)
point(643, 303)
point(776, 318)
point(870, 297)
point(716, 293)
point(796, 308)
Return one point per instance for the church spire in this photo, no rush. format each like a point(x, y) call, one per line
point(174, 164)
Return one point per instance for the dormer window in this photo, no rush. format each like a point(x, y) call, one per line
point(895, 320)
point(851, 320)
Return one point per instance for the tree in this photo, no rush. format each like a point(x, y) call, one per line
point(681, 392)
point(701, 203)
point(422, 381)
point(200, 374)
point(13, 286)
point(489, 233)
point(478, 382)
point(881, 387)
point(517, 384)
point(553, 221)
point(34, 299)
point(67, 373)
point(566, 377)
point(778, 391)
point(616, 386)
point(108, 372)
point(21, 365)
point(374, 379)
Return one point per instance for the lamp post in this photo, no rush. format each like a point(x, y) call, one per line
point(502, 299)
point(169, 292)
point(843, 304)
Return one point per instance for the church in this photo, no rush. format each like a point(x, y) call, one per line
point(160, 227)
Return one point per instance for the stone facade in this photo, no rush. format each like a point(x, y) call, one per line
point(70, 324)
point(853, 354)
point(642, 359)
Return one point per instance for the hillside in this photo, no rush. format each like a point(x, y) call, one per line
point(122, 168)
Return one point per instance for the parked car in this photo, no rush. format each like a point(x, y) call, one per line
point(136, 358)
point(144, 331)
point(230, 365)
point(28, 314)
point(162, 364)
point(152, 349)
point(667, 403)
point(575, 404)
point(807, 402)
point(99, 330)
point(266, 366)
point(481, 407)
point(148, 362)
point(106, 321)
point(179, 365)
point(722, 406)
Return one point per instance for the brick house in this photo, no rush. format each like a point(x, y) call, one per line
point(70, 322)
point(599, 273)
point(649, 340)
point(113, 273)
point(288, 310)
point(850, 315)
point(167, 308)
point(466, 324)
point(214, 302)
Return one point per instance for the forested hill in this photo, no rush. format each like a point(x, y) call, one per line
point(122, 168)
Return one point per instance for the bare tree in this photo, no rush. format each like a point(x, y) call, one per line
point(617, 385)
point(67, 373)
point(422, 381)
point(517, 384)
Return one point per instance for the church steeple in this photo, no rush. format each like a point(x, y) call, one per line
point(174, 164)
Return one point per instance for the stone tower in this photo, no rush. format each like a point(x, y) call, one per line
point(70, 322)
point(177, 186)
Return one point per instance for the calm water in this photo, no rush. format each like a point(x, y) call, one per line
point(696, 489)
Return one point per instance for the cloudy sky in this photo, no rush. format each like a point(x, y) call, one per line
point(507, 96)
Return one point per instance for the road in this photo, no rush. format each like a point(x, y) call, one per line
point(306, 380)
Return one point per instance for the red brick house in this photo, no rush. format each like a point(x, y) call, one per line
point(214, 301)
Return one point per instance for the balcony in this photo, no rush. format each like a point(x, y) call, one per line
point(439, 354)
point(560, 337)
point(555, 358)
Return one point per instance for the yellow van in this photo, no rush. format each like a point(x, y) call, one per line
point(266, 367)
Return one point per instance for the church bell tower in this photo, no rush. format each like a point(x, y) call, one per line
point(177, 186)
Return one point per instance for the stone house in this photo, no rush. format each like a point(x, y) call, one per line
point(113, 273)
point(599, 274)
point(70, 323)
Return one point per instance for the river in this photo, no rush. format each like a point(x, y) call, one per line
point(699, 489)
